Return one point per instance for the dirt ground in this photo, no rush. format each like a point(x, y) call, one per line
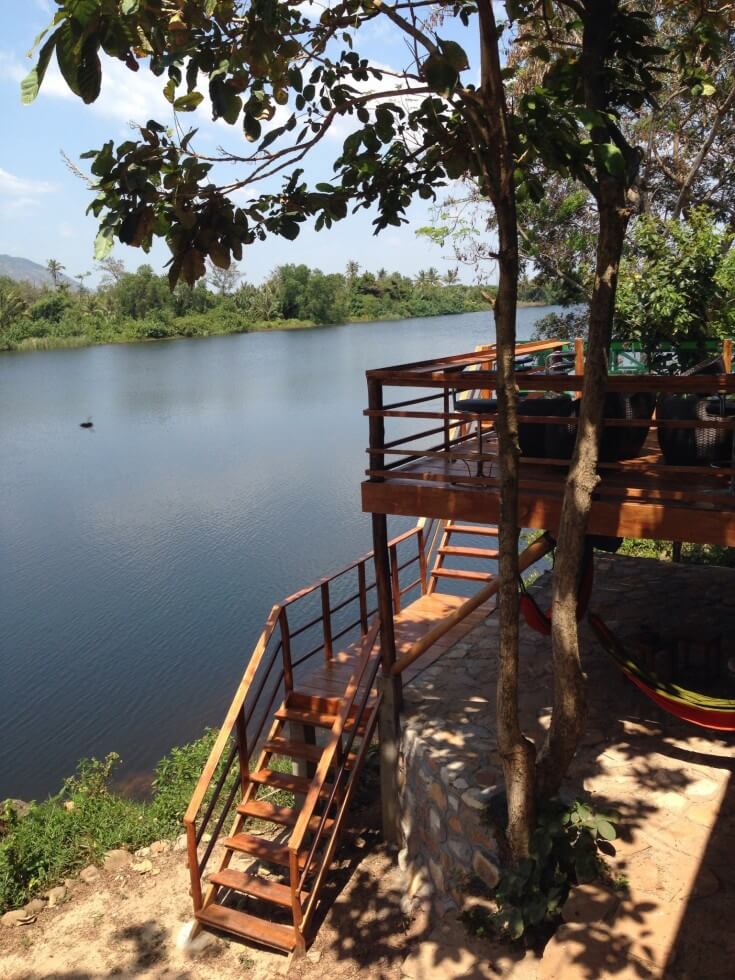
point(129, 924)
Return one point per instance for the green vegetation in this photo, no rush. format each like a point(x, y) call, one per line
point(677, 283)
point(693, 554)
point(135, 306)
point(677, 286)
point(87, 817)
point(565, 849)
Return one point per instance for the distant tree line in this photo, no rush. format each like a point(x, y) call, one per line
point(130, 306)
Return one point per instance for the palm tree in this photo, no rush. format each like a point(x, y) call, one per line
point(427, 277)
point(55, 268)
point(81, 276)
point(451, 277)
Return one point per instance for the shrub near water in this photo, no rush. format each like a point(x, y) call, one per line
point(54, 840)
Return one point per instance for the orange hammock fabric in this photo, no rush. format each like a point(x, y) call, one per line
point(539, 620)
point(698, 709)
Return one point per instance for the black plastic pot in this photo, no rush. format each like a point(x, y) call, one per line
point(620, 442)
point(694, 447)
point(547, 441)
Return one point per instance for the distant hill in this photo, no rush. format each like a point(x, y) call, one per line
point(23, 270)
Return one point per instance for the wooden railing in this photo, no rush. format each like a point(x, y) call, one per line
point(320, 619)
point(461, 447)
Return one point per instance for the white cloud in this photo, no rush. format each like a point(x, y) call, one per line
point(10, 185)
point(125, 96)
point(20, 194)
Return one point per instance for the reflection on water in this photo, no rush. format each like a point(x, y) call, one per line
point(140, 558)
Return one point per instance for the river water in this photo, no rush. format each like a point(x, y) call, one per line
point(139, 559)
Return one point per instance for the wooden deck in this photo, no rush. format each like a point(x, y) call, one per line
point(425, 457)
point(330, 679)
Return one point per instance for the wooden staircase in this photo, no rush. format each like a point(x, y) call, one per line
point(284, 767)
point(448, 549)
point(276, 856)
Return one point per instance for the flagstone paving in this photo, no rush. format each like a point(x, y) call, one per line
point(671, 783)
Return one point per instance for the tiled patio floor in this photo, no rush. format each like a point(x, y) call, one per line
point(671, 783)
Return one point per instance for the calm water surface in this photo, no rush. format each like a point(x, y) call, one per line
point(139, 559)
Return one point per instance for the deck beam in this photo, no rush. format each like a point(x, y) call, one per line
point(624, 518)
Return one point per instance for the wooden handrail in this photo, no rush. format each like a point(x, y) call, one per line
point(363, 559)
point(230, 718)
point(617, 423)
point(235, 719)
point(524, 347)
point(342, 809)
point(632, 383)
point(336, 732)
point(529, 556)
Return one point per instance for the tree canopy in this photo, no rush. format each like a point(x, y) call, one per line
point(282, 75)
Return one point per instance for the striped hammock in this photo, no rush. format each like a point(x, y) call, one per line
point(691, 706)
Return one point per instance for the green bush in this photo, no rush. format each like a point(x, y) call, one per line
point(74, 828)
point(51, 307)
point(565, 851)
point(693, 554)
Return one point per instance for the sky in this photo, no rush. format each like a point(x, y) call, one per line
point(43, 204)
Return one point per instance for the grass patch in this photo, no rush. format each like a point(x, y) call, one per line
point(75, 827)
point(86, 818)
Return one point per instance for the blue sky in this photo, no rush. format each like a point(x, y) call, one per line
point(42, 204)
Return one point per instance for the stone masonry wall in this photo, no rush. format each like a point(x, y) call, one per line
point(449, 769)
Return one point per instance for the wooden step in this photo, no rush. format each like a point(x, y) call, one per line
point(294, 750)
point(255, 886)
point(263, 849)
point(248, 927)
point(286, 816)
point(300, 750)
point(287, 781)
point(462, 574)
point(316, 718)
point(468, 552)
point(488, 532)
point(312, 702)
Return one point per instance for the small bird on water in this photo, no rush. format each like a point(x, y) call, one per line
point(89, 424)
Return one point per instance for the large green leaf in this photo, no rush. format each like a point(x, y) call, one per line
point(610, 158)
point(89, 74)
point(31, 84)
point(103, 243)
point(188, 102)
point(455, 55)
point(440, 75)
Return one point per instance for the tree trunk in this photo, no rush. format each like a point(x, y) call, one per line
point(569, 704)
point(517, 752)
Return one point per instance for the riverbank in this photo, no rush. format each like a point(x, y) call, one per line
point(138, 332)
point(193, 326)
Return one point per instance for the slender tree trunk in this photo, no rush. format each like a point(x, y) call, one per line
point(569, 701)
point(569, 711)
point(516, 751)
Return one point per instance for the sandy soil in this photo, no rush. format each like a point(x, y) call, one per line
point(131, 925)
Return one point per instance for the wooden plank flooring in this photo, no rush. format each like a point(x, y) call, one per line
point(330, 679)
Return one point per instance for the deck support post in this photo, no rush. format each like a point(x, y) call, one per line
point(389, 725)
point(579, 356)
